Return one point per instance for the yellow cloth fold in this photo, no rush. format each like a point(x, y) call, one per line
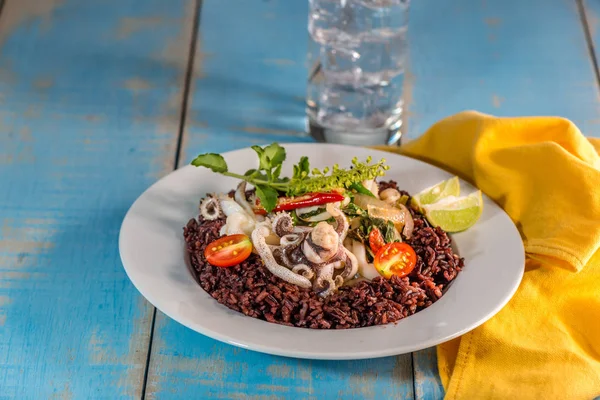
point(546, 342)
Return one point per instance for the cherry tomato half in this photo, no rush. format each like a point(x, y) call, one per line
point(376, 240)
point(395, 259)
point(228, 250)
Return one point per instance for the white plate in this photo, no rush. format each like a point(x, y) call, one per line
point(152, 250)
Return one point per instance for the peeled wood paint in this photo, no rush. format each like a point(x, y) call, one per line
point(363, 386)
point(101, 352)
point(136, 85)
point(93, 118)
point(426, 377)
point(32, 111)
point(493, 21)
point(43, 83)
point(14, 13)
point(64, 394)
point(131, 25)
point(497, 101)
point(176, 366)
point(592, 20)
point(173, 55)
point(11, 150)
point(274, 388)
point(4, 301)
point(20, 241)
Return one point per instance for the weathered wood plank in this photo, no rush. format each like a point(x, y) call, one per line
point(501, 57)
point(185, 364)
point(89, 109)
point(249, 89)
point(426, 376)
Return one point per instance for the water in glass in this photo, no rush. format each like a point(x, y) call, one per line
point(356, 57)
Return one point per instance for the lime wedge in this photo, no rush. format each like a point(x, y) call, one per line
point(455, 214)
point(450, 187)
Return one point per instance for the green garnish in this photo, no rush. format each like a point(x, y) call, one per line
point(297, 221)
point(268, 183)
point(312, 213)
point(360, 188)
point(352, 210)
point(361, 233)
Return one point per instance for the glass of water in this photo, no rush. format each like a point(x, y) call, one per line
point(356, 57)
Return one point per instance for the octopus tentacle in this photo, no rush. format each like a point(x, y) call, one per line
point(290, 250)
point(283, 224)
point(302, 229)
point(341, 220)
point(240, 198)
point(331, 287)
point(351, 267)
point(308, 257)
point(291, 239)
point(296, 256)
point(304, 270)
point(210, 208)
point(324, 274)
point(258, 239)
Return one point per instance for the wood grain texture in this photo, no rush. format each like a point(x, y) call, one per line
point(185, 364)
point(249, 75)
point(501, 57)
point(89, 109)
point(426, 376)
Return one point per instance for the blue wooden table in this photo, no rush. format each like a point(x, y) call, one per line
point(99, 98)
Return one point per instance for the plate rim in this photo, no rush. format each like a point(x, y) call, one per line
point(317, 355)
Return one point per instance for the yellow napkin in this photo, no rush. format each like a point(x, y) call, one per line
point(545, 344)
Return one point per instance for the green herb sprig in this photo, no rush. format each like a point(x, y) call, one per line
point(268, 183)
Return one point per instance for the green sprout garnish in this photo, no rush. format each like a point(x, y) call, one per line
point(268, 183)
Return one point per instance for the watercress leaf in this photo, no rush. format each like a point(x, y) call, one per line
point(275, 154)
point(382, 225)
point(250, 172)
point(264, 162)
point(304, 165)
point(215, 162)
point(390, 234)
point(277, 172)
point(259, 150)
point(258, 176)
point(352, 210)
point(267, 196)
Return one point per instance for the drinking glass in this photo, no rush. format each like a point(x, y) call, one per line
point(356, 57)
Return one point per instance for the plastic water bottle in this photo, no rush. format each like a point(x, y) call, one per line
point(357, 53)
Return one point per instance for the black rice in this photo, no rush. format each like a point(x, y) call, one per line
point(251, 289)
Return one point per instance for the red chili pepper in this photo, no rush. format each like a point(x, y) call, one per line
point(305, 200)
point(376, 240)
